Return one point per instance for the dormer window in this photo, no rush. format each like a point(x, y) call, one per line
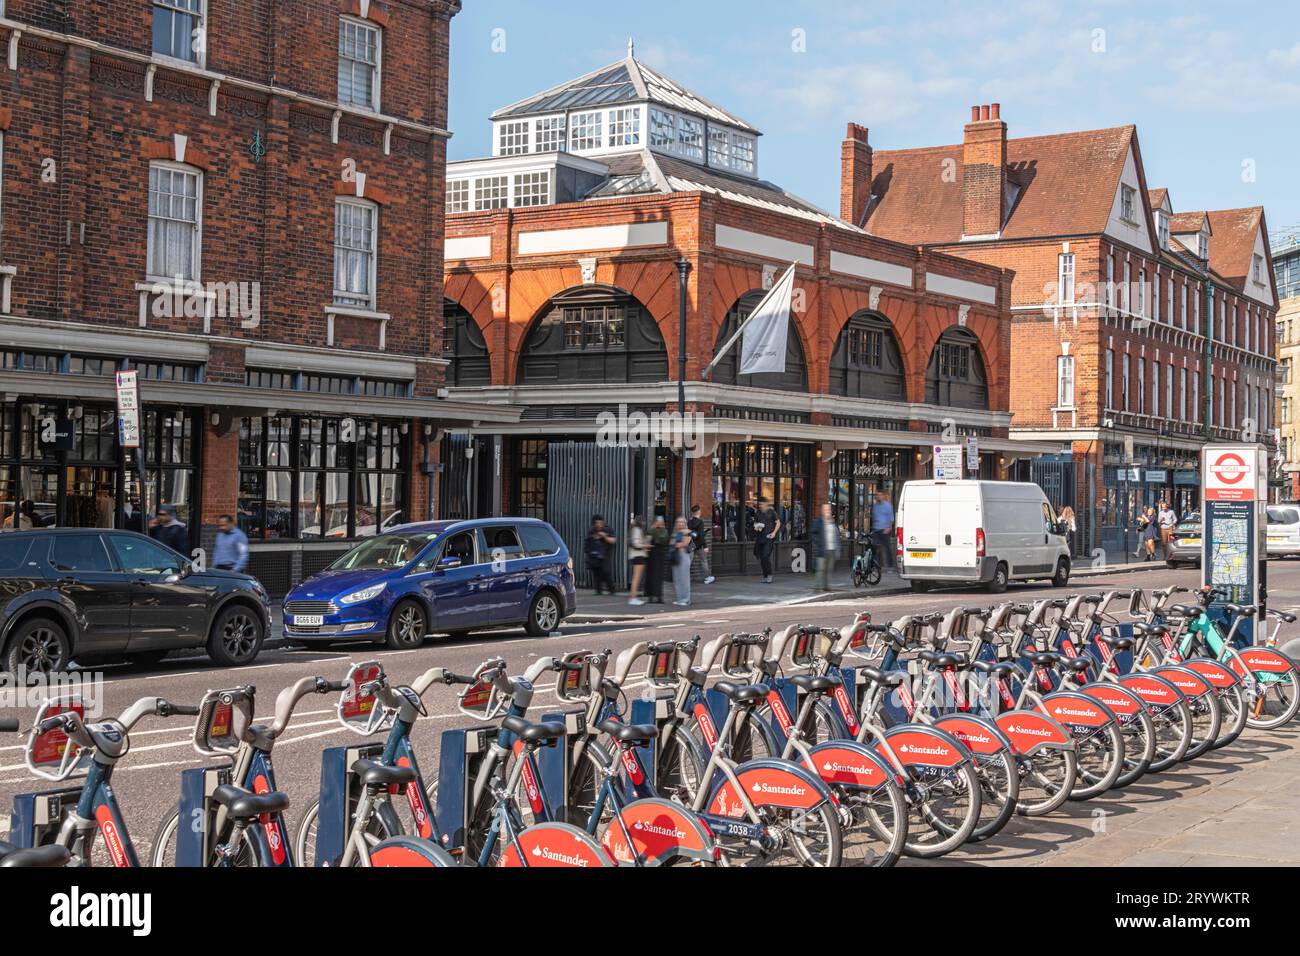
point(742, 153)
point(1203, 245)
point(1162, 228)
point(719, 147)
point(587, 131)
point(512, 138)
point(690, 138)
point(625, 127)
point(550, 135)
point(663, 130)
point(1257, 269)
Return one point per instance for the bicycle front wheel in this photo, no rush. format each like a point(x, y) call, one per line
point(943, 811)
point(1046, 780)
point(999, 792)
point(1206, 718)
point(1274, 699)
point(804, 837)
point(1232, 703)
point(1101, 761)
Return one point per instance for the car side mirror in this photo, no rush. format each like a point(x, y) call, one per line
point(448, 562)
point(172, 578)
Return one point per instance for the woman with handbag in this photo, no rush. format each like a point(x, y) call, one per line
point(637, 548)
point(681, 560)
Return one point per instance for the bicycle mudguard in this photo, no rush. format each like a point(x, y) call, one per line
point(660, 830)
point(769, 783)
point(1030, 731)
point(1123, 702)
point(409, 851)
point(1154, 690)
point(1078, 713)
point(555, 844)
point(924, 746)
point(850, 764)
point(980, 735)
point(1262, 660)
point(1192, 684)
point(1214, 672)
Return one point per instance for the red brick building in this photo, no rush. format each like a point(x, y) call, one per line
point(242, 201)
point(563, 287)
point(1139, 333)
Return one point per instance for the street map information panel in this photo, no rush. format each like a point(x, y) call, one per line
point(1228, 530)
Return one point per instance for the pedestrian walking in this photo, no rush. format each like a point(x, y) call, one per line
point(702, 542)
point(765, 526)
point(638, 547)
point(654, 581)
point(167, 530)
point(231, 550)
point(1150, 534)
point(882, 528)
point(825, 546)
point(1167, 520)
point(1071, 526)
point(681, 560)
point(598, 550)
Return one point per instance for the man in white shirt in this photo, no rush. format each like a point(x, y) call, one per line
point(1167, 520)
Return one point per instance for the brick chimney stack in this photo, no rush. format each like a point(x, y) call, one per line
point(984, 175)
point(855, 175)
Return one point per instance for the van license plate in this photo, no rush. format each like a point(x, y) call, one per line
point(920, 554)
point(308, 620)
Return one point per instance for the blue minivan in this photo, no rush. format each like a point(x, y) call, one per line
point(448, 577)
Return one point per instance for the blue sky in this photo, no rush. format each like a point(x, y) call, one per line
point(1213, 88)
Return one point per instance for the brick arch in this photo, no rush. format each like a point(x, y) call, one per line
point(843, 304)
point(730, 282)
point(934, 320)
point(178, 149)
point(472, 291)
point(652, 284)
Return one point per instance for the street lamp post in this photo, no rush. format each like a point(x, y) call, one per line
point(683, 268)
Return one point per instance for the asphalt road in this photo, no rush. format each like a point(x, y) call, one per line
point(147, 780)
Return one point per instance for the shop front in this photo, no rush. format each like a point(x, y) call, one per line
point(855, 478)
point(745, 472)
point(61, 465)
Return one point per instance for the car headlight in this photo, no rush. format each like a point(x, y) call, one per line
point(365, 594)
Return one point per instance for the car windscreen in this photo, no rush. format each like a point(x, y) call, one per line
point(385, 551)
point(1283, 516)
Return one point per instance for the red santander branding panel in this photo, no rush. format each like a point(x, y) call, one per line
point(1030, 731)
point(1262, 659)
point(1190, 684)
point(765, 786)
point(1121, 701)
point(1154, 691)
point(850, 766)
point(974, 734)
point(921, 748)
point(1075, 709)
point(271, 825)
point(1214, 672)
point(555, 845)
point(113, 841)
point(658, 830)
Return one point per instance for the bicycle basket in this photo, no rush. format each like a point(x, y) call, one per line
point(575, 685)
point(361, 712)
point(739, 659)
point(51, 754)
point(223, 721)
point(482, 700)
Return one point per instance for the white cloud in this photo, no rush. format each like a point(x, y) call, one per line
point(870, 93)
point(1289, 57)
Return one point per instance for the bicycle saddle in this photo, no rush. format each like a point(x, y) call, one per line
point(1077, 664)
point(11, 855)
point(1153, 629)
point(1285, 617)
point(1042, 658)
point(628, 733)
point(814, 683)
point(994, 668)
point(534, 733)
point(1242, 610)
point(740, 693)
point(1186, 610)
point(890, 679)
point(1116, 642)
point(374, 774)
point(944, 659)
point(244, 805)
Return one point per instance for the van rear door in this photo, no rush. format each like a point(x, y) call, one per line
point(921, 522)
point(960, 514)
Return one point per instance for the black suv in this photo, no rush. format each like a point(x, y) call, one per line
point(88, 594)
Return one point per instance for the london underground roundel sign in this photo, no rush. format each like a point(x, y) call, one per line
point(1230, 475)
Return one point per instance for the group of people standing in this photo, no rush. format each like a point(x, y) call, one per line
point(1155, 524)
point(649, 551)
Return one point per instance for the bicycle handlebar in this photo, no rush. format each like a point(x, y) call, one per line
point(289, 697)
point(9, 725)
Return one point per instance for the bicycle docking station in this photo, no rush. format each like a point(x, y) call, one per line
point(37, 817)
point(657, 711)
point(553, 760)
point(461, 752)
point(195, 844)
point(340, 793)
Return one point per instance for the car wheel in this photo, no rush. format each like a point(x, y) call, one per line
point(39, 647)
point(407, 626)
point(236, 636)
point(999, 582)
point(1062, 576)
point(544, 614)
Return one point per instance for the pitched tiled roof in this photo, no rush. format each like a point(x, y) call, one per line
point(1156, 197)
point(1183, 223)
point(1233, 247)
point(1067, 185)
point(627, 81)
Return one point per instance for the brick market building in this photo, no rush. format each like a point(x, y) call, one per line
point(563, 286)
point(1139, 332)
point(242, 201)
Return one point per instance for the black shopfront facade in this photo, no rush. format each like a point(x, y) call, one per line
point(854, 479)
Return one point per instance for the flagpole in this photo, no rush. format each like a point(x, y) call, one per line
point(708, 369)
point(683, 267)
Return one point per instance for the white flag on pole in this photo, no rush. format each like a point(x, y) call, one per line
point(762, 347)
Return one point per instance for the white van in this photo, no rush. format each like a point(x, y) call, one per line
point(978, 532)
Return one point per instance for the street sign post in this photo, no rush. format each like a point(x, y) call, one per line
point(1234, 492)
point(947, 462)
point(973, 456)
point(128, 410)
